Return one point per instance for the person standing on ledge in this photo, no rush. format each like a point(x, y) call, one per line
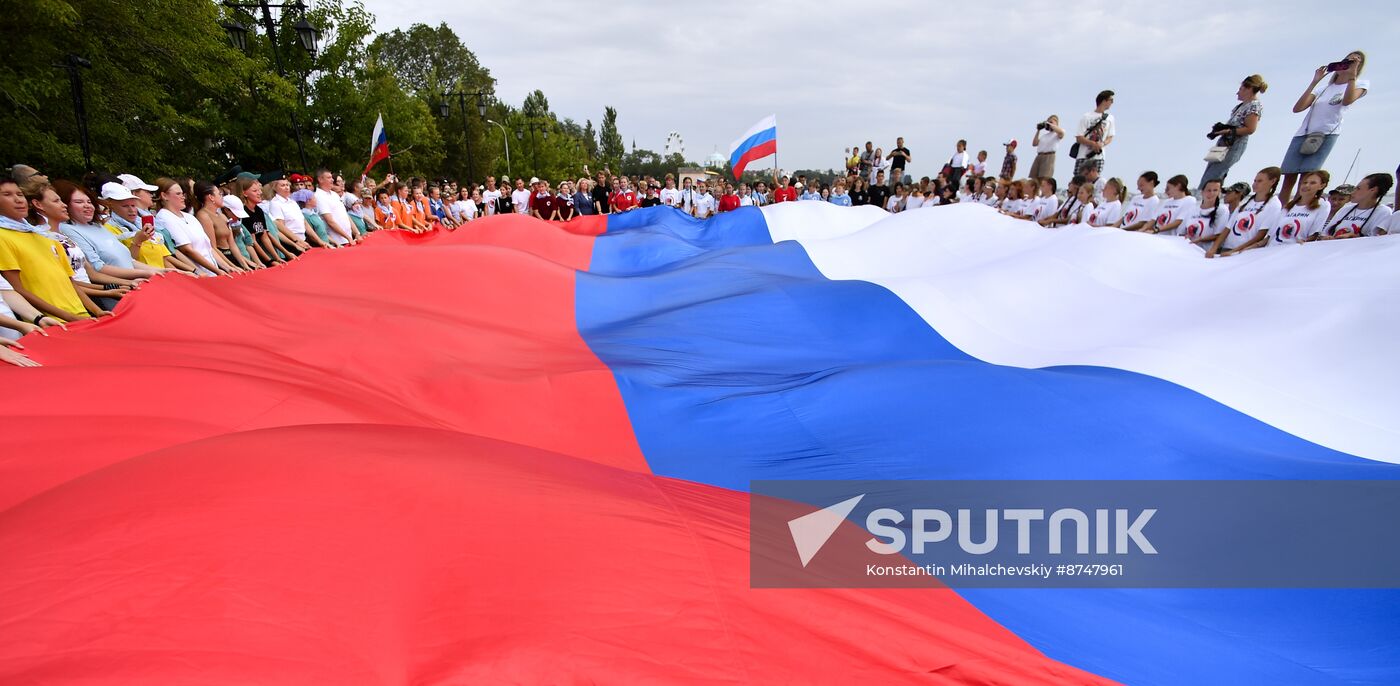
point(1048, 135)
point(1096, 132)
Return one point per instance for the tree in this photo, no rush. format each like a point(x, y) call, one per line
point(536, 105)
point(432, 60)
point(590, 139)
point(610, 141)
point(158, 95)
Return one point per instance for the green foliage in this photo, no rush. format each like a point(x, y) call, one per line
point(167, 95)
point(643, 162)
point(610, 142)
point(430, 61)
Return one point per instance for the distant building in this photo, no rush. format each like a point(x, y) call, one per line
point(695, 174)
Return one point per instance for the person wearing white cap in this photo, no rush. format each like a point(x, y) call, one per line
point(124, 222)
point(233, 214)
point(142, 190)
point(105, 253)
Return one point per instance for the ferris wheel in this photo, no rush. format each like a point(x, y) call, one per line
point(674, 144)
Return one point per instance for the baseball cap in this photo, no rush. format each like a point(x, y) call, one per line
point(234, 205)
point(1238, 187)
point(115, 192)
point(534, 180)
point(1345, 189)
point(1011, 142)
point(134, 182)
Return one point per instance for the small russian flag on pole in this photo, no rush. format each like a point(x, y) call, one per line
point(378, 146)
point(760, 141)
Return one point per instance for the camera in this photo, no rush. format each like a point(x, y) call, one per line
point(1218, 129)
point(1043, 126)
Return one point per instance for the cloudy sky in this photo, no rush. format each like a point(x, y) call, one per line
point(838, 74)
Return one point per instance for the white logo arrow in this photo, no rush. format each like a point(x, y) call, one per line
point(811, 531)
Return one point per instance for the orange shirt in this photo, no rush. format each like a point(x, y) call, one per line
point(385, 219)
point(402, 214)
point(420, 210)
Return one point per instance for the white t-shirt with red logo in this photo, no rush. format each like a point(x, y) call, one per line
point(1251, 218)
point(1207, 223)
point(1106, 214)
point(1353, 219)
point(1141, 209)
point(1175, 209)
point(1300, 222)
point(1392, 225)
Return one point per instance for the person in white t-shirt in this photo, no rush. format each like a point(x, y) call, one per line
point(490, 196)
point(1306, 213)
point(1176, 209)
point(1365, 215)
point(331, 207)
point(745, 195)
point(1211, 214)
point(1096, 131)
point(520, 197)
point(1141, 210)
point(988, 196)
point(878, 166)
point(184, 230)
point(1108, 212)
point(286, 215)
point(467, 205)
point(1325, 107)
point(1095, 178)
point(1392, 225)
point(1015, 201)
point(1048, 135)
point(670, 195)
point(914, 200)
point(896, 200)
point(958, 163)
point(1045, 204)
point(1083, 207)
point(702, 203)
point(1065, 212)
point(978, 167)
point(1250, 225)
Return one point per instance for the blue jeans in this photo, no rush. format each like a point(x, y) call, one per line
point(1295, 162)
point(1218, 170)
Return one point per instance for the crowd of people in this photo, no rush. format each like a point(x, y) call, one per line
point(72, 250)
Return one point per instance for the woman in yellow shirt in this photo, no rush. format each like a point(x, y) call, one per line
point(37, 267)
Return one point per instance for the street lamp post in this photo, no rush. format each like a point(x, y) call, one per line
point(72, 63)
point(504, 139)
point(446, 110)
point(534, 149)
point(307, 35)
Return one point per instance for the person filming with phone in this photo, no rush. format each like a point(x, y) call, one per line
point(1326, 104)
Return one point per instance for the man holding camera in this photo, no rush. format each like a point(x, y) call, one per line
point(1048, 135)
point(1096, 131)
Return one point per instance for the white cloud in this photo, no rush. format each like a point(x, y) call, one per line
point(840, 74)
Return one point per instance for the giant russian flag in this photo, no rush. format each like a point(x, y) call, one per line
point(378, 145)
point(519, 452)
point(760, 141)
